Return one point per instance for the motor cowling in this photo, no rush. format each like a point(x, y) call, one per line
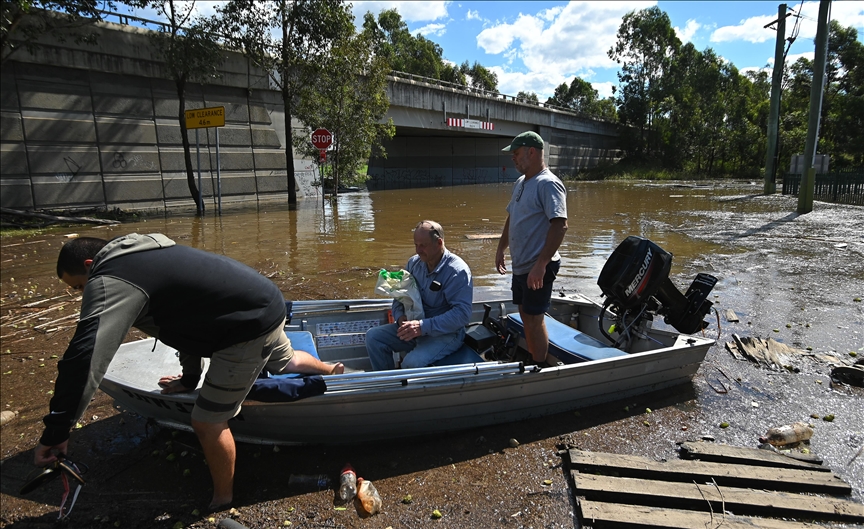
point(634, 272)
point(636, 275)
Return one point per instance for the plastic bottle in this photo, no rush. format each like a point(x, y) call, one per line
point(322, 481)
point(367, 502)
point(347, 483)
point(785, 435)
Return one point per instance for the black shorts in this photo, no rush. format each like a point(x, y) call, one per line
point(535, 302)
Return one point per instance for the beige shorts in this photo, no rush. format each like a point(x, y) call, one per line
point(234, 369)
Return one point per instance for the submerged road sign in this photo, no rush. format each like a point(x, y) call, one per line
point(322, 139)
point(201, 118)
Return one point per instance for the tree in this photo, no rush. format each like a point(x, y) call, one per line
point(579, 97)
point(22, 22)
point(481, 78)
point(289, 39)
point(350, 101)
point(191, 54)
point(528, 97)
point(404, 52)
point(645, 47)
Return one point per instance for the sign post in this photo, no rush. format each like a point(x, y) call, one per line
point(322, 140)
point(202, 118)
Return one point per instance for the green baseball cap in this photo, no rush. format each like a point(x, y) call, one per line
point(526, 139)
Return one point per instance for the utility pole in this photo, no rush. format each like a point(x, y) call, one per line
point(808, 179)
point(774, 113)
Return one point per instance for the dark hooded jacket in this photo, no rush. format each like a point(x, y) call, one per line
point(194, 301)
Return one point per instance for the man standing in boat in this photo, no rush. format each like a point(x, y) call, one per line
point(202, 304)
point(446, 289)
point(534, 229)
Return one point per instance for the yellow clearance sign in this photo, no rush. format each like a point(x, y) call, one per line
point(201, 118)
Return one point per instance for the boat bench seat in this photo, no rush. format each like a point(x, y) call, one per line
point(463, 355)
point(566, 343)
point(303, 341)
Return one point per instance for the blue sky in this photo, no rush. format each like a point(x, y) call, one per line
point(535, 46)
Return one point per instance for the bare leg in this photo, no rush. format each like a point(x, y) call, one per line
point(535, 335)
point(304, 363)
point(221, 454)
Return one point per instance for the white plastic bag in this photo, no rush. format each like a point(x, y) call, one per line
point(402, 287)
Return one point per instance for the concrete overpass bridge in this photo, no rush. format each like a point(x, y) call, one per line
point(96, 126)
point(447, 135)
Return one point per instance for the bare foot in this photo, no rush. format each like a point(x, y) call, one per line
point(217, 505)
point(338, 369)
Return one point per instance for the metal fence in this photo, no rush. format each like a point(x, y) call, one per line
point(845, 186)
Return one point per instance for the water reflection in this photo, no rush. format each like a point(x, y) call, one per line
point(372, 230)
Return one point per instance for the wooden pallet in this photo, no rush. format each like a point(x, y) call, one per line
point(757, 486)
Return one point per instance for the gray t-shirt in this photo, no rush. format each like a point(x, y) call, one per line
point(534, 203)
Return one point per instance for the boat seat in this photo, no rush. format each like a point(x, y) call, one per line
point(566, 343)
point(303, 341)
point(463, 355)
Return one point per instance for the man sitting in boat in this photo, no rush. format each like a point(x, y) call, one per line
point(446, 289)
point(202, 304)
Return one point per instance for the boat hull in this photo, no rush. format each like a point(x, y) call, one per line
point(394, 405)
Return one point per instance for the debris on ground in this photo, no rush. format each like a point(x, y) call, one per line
point(768, 353)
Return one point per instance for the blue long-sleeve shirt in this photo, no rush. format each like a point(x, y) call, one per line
point(448, 309)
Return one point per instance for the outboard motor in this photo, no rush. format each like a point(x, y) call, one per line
point(635, 281)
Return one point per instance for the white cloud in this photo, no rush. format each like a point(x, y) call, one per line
point(473, 15)
point(686, 34)
point(410, 11)
point(556, 44)
point(745, 71)
point(604, 90)
point(753, 30)
point(791, 59)
point(511, 83)
point(432, 29)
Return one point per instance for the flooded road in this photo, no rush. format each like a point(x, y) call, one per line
point(797, 279)
point(370, 231)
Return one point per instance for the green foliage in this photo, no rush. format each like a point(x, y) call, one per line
point(404, 52)
point(22, 22)
point(581, 97)
point(528, 97)
point(349, 100)
point(306, 30)
point(645, 48)
point(695, 113)
point(481, 78)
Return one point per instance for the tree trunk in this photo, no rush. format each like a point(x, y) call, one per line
point(289, 150)
point(187, 157)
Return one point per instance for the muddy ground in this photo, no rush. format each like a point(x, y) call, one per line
point(798, 279)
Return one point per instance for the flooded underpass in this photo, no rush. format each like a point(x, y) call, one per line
point(796, 279)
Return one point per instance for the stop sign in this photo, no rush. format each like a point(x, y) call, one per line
point(321, 138)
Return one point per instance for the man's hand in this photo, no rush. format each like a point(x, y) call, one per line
point(408, 330)
point(44, 455)
point(535, 276)
point(500, 265)
point(172, 384)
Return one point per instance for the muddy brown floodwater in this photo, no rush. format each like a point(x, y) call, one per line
point(796, 278)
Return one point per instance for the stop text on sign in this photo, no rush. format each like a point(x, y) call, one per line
point(321, 138)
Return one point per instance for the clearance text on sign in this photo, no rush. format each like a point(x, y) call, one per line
point(201, 118)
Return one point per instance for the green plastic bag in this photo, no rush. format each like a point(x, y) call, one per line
point(401, 287)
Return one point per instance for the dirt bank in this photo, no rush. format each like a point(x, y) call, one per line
point(793, 278)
